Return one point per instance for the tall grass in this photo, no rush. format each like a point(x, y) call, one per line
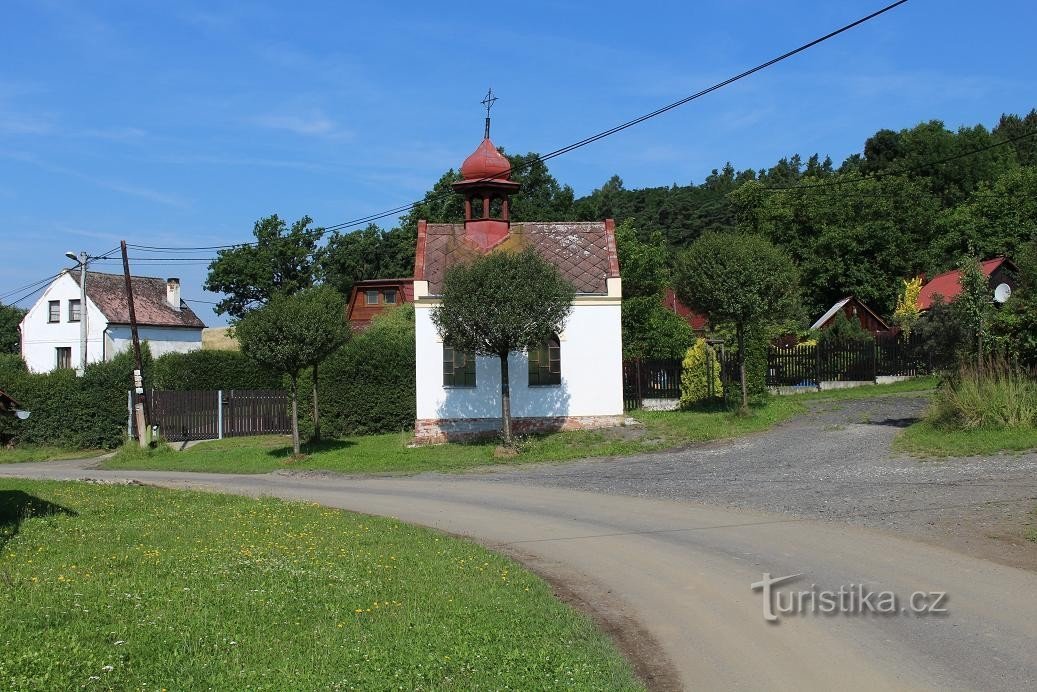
point(998, 396)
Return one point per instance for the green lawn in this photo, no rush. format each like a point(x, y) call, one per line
point(34, 453)
point(130, 587)
point(391, 453)
point(915, 384)
point(927, 440)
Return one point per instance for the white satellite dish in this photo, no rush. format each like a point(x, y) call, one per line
point(22, 415)
point(1002, 293)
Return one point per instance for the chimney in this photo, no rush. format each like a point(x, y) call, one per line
point(173, 293)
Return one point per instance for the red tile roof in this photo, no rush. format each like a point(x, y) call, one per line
point(108, 293)
point(584, 252)
point(948, 284)
point(695, 320)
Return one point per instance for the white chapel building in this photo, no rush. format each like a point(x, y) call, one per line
point(573, 381)
point(50, 331)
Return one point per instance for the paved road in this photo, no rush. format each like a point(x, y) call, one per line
point(672, 578)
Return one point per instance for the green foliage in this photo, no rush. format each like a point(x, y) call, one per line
point(997, 397)
point(367, 386)
point(651, 331)
point(10, 317)
point(294, 332)
point(642, 263)
point(211, 370)
point(743, 281)
point(757, 342)
point(700, 375)
point(280, 262)
point(502, 302)
point(974, 305)
point(75, 413)
point(844, 332)
point(1013, 327)
point(366, 254)
point(907, 312)
point(940, 335)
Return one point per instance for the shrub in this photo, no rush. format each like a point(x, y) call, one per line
point(1001, 396)
point(756, 346)
point(367, 386)
point(700, 375)
point(211, 370)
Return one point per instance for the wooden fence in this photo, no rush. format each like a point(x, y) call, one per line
point(786, 367)
point(209, 415)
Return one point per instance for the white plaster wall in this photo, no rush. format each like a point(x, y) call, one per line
point(592, 372)
point(160, 340)
point(40, 338)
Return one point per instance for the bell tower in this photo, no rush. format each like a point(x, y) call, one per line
point(486, 187)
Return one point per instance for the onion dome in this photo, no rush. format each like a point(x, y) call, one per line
point(486, 162)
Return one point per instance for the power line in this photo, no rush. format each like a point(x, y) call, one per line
point(884, 174)
point(396, 211)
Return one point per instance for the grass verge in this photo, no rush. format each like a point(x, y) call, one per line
point(130, 587)
point(391, 454)
point(914, 385)
point(925, 439)
point(18, 455)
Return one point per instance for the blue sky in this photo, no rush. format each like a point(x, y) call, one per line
point(181, 123)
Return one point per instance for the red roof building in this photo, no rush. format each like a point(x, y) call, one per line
point(948, 285)
point(854, 309)
point(375, 296)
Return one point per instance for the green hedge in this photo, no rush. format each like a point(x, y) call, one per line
point(210, 370)
point(69, 411)
point(368, 385)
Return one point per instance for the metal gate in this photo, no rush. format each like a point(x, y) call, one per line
point(208, 415)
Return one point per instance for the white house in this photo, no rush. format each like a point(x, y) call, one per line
point(50, 330)
point(574, 381)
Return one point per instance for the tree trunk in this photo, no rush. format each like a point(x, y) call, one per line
point(505, 400)
point(744, 406)
point(295, 416)
point(316, 408)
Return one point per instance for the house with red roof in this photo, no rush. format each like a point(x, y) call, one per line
point(50, 330)
point(698, 323)
point(372, 297)
point(573, 380)
point(999, 270)
point(857, 311)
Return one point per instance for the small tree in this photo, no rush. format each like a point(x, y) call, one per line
point(499, 303)
point(740, 279)
point(10, 318)
point(291, 333)
point(973, 305)
point(907, 311)
point(700, 375)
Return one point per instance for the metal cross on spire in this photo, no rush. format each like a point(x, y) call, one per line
point(488, 102)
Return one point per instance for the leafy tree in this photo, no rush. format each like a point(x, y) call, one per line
point(1013, 327)
point(499, 303)
point(291, 333)
point(1016, 128)
point(739, 279)
point(10, 317)
point(652, 331)
point(280, 262)
point(369, 253)
point(642, 263)
point(843, 332)
point(973, 306)
point(907, 311)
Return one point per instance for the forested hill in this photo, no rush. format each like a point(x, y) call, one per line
point(912, 201)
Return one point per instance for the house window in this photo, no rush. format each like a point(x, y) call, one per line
point(389, 295)
point(54, 311)
point(370, 297)
point(63, 356)
point(545, 363)
point(74, 311)
point(458, 368)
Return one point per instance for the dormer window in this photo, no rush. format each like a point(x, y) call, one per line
point(389, 295)
point(371, 297)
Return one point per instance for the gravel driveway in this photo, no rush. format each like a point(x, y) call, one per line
point(834, 463)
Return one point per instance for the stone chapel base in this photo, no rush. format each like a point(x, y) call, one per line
point(439, 430)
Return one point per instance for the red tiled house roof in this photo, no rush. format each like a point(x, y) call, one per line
point(108, 293)
point(672, 303)
point(584, 252)
point(948, 284)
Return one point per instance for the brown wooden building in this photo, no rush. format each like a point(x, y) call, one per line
point(855, 310)
point(373, 296)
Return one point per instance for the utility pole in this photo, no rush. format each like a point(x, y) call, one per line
point(82, 259)
point(139, 408)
